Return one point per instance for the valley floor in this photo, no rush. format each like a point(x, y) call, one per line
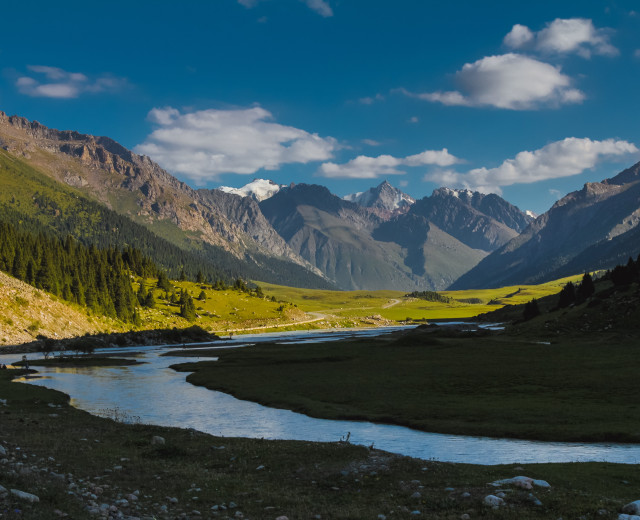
point(81, 466)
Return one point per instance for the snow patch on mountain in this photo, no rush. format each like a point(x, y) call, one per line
point(259, 189)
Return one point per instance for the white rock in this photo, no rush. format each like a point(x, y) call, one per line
point(632, 508)
point(157, 440)
point(3, 490)
point(628, 517)
point(521, 482)
point(416, 495)
point(3, 452)
point(24, 496)
point(493, 501)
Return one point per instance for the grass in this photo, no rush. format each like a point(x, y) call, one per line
point(88, 454)
point(393, 305)
point(496, 385)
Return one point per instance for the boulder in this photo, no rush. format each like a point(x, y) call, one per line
point(23, 495)
point(628, 517)
point(156, 440)
point(493, 501)
point(632, 508)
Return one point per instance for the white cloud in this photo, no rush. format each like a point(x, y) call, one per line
point(556, 194)
point(519, 36)
point(414, 119)
point(563, 36)
point(363, 167)
point(371, 142)
point(510, 81)
point(565, 158)
point(371, 100)
point(319, 6)
point(58, 83)
point(637, 53)
point(203, 144)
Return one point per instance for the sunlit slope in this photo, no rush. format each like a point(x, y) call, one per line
point(395, 305)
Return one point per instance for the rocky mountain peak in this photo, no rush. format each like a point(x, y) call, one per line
point(384, 200)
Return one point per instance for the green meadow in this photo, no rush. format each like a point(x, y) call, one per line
point(395, 306)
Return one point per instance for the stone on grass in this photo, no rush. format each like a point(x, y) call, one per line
point(493, 501)
point(3, 490)
point(23, 495)
point(628, 517)
point(632, 508)
point(282, 518)
point(156, 440)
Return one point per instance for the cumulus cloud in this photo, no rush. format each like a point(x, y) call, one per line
point(53, 82)
point(565, 158)
point(203, 144)
point(509, 81)
point(319, 6)
point(363, 167)
point(563, 36)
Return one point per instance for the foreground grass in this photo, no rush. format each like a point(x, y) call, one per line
point(583, 388)
point(53, 448)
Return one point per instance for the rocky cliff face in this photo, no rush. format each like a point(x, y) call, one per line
point(137, 187)
point(481, 221)
point(595, 227)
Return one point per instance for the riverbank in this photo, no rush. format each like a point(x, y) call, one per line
point(78, 465)
point(437, 380)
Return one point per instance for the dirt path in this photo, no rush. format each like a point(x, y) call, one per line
point(391, 303)
point(318, 317)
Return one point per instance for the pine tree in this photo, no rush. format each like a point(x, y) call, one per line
point(150, 301)
point(586, 288)
point(567, 295)
point(187, 307)
point(531, 310)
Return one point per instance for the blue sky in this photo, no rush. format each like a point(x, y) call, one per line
point(527, 100)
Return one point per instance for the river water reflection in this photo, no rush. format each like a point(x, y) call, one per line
point(155, 394)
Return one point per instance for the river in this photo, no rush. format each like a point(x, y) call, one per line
point(151, 392)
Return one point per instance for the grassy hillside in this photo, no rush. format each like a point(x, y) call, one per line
point(26, 312)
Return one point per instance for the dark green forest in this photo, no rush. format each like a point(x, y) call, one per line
point(99, 279)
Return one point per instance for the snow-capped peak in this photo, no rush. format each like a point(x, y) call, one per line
point(531, 214)
point(259, 189)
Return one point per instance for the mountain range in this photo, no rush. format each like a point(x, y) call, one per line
point(301, 234)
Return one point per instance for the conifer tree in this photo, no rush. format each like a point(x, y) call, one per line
point(187, 307)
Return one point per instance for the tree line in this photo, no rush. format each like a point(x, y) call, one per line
point(99, 279)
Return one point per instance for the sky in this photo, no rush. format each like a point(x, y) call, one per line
point(527, 100)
